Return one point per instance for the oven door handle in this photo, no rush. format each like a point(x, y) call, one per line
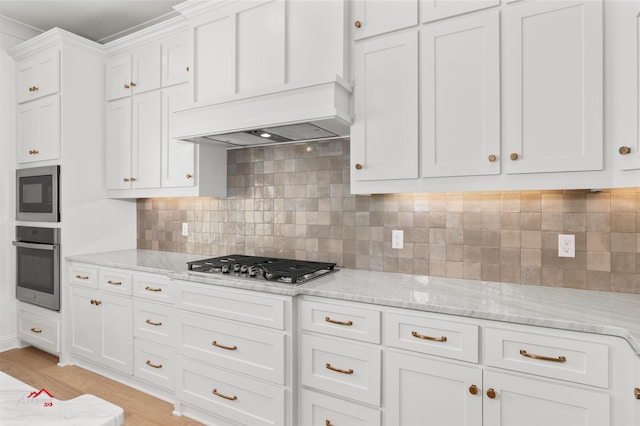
point(36, 246)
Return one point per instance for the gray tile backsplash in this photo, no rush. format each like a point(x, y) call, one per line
point(294, 201)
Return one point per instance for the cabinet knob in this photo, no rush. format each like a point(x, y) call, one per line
point(492, 158)
point(473, 389)
point(126, 86)
point(514, 156)
point(491, 393)
point(188, 176)
point(31, 89)
point(125, 180)
point(327, 422)
point(34, 152)
point(358, 166)
point(187, 69)
point(133, 84)
point(35, 88)
point(636, 392)
point(133, 179)
point(357, 24)
point(624, 150)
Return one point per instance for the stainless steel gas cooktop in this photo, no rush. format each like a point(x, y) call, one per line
point(285, 271)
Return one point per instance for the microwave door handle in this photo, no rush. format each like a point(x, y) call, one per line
point(35, 246)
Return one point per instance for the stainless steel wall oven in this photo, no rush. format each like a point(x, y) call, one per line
point(38, 266)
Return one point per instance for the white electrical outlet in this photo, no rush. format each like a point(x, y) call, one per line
point(397, 239)
point(185, 229)
point(566, 245)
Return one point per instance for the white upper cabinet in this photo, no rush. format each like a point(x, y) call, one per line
point(553, 83)
point(38, 76)
point(460, 85)
point(118, 138)
point(175, 63)
point(178, 157)
point(134, 72)
point(384, 135)
point(432, 10)
point(38, 130)
point(373, 17)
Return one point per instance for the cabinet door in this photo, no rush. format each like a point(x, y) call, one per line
point(178, 157)
point(118, 77)
point(432, 10)
point(85, 324)
point(460, 83)
point(554, 85)
point(116, 331)
point(384, 134)
point(146, 145)
point(118, 138)
point(39, 129)
point(372, 17)
point(175, 64)
point(425, 391)
point(529, 401)
point(38, 76)
point(146, 65)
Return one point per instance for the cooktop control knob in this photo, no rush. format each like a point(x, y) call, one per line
point(225, 269)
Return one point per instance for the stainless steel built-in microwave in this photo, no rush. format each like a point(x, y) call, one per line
point(37, 194)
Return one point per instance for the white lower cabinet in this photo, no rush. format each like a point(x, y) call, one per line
point(317, 409)
point(520, 401)
point(39, 327)
point(154, 363)
point(420, 390)
point(101, 328)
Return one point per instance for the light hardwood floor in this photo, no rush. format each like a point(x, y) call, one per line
point(40, 370)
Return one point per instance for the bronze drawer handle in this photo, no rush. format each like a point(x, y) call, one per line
point(543, 358)
point(221, 395)
point(150, 364)
point(329, 367)
point(229, 348)
point(36, 330)
point(82, 277)
point(114, 282)
point(332, 321)
point(435, 339)
point(152, 289)
point(153, 323)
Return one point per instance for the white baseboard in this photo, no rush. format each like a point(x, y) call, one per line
point(8, 342)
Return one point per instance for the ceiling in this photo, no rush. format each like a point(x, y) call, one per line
point(100, 21)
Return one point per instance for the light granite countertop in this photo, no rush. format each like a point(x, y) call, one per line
point(615, 314)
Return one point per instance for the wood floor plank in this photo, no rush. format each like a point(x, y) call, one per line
point(40, 370)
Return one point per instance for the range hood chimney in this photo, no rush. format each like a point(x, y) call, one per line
point(296, 114)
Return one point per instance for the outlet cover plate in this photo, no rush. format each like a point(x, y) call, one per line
point(566, 245)
point(185, 229)
point(397, 239)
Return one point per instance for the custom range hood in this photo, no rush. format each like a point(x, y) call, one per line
point(296, 114)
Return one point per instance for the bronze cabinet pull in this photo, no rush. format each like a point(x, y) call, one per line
point(624, 150)
point(358, 166)
point(491, 393)
point(150, 364)
point(114, 282)
point(514, 156)
point(435, 339)
point(82, 277)
point(543, 358)
point(157, 324)
point(221, 395)
point(357, 24)
point(126, 86)
point(636, 392)
point(473, 389)
point(332, 321)
point(133, 84)
point(327, 422)
point(36, 330)
point(152, 289)
point(96, 302)
point(329, 367)
point(492, 158)
point(229, 348)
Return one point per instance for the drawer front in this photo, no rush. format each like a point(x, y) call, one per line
point(421, 333)
point(39, 331)
point(245, 306)
point(340, 321)
point(154, 363)
point(83, 276)
point(347, 369)
point(560, 357)
point(257, 352)
point(115, 282)
point(154, 288)
point(322, 410)
point(154, 321)
point(236, 397)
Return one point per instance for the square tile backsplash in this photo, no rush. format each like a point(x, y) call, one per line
point(294, 201)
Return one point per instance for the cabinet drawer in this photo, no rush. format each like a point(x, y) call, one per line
point(154, 321)
point(154, 363)
point(422, 333)
point(321, 410)
point(561, 356)
point(153, 288)
point(244, 306)
point(83, 276)
point(39, 331)
point(236, 397)
point(115, 282)
point(255, 351)
point(341, 321)
point(348, 369)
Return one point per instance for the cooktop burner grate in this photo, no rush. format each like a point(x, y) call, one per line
point(269, 268)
